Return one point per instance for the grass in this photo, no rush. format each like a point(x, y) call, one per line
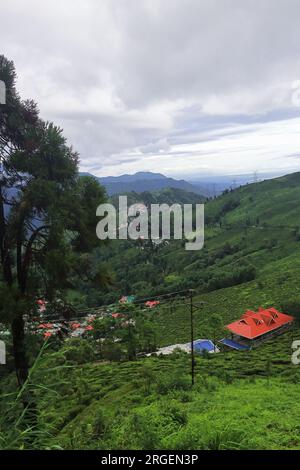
point(149, 404)
point(240, 400)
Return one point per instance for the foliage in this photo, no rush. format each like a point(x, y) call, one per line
point(47, 213)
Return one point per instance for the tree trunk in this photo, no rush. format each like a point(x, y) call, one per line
point(21, 363)
point(22, 371)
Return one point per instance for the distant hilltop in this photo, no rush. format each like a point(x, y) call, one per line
point(147, 181)
point(206, 186)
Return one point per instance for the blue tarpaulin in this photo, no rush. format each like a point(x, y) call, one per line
point(204, 345)
point(233, 344)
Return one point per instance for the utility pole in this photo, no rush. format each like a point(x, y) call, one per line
point(255, 176)
point(192, 337)
point(255, 180)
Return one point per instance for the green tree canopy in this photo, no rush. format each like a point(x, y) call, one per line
point(47, 212)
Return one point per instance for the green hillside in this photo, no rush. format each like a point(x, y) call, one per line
point(239, 401)
point(162, 196)
point(248, 400)
point(251, 234)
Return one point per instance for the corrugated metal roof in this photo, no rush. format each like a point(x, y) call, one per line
point(254, 324)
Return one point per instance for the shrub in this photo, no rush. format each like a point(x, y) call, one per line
point(79, 351)
point(175, 412)
point(292, 307)
point(235, 276)
point(165, 383)
point(111, 351)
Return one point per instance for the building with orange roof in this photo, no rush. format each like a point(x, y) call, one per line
point(255, 327)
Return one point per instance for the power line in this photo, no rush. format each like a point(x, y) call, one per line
point(171, 297)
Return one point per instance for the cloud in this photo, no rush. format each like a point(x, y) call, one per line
point(132, 81)
point(265, 147)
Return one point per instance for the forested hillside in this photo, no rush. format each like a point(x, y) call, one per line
point(162, 196)
point(108, 397)
point(249, 233)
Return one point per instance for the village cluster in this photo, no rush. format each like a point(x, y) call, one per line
point(76, 327)
point(251, 330)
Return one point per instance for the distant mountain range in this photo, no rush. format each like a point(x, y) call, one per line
point(147, 181)
point(207, 186)
point(161, 196)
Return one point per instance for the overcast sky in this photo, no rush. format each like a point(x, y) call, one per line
point(183, 87)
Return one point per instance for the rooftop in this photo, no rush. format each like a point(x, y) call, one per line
point(254, 324)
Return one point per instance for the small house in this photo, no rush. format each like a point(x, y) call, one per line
point(255, 327)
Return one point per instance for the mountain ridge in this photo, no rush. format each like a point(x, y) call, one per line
point(146, 181)
point(162, 196)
